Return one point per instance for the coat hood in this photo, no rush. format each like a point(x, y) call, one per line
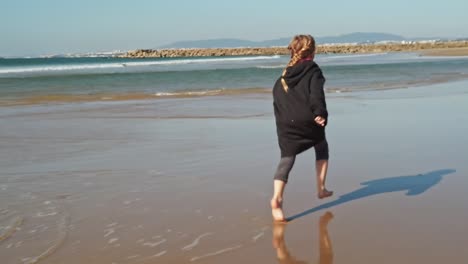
point(296, 72)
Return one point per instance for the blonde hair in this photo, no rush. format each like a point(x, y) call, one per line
point(301, 46)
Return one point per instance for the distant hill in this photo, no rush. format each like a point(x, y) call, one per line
point(211, 43)
point(360, 37)
point(357, 37)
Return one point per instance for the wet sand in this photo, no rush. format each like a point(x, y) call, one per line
point(188, 180)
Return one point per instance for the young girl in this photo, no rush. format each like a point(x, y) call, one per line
point(301, 116)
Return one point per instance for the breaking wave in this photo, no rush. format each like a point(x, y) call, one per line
point(125, 64)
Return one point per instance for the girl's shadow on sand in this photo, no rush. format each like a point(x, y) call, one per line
point(413, 184)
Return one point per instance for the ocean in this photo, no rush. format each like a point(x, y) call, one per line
point(45, 80)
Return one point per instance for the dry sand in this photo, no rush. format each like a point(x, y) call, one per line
point(189, 180)
point(446, 52)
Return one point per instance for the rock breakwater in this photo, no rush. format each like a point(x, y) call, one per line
point(335, 48)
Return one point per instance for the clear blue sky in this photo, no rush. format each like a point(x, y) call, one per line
point(33, 27)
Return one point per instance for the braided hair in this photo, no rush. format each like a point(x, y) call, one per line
point(301, 46)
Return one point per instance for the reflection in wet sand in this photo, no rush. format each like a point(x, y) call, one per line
point(326, 250)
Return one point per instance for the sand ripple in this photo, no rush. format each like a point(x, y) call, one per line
point(215, 253)
point(196, 241)
point(11, 228)
point(62, 233)
point(31, 228)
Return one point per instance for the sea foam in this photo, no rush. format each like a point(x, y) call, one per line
point(124, 64)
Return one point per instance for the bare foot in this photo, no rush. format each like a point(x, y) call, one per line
point(324, 193)
point(277, 210)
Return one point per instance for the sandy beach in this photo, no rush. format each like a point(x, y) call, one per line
point(145, 132)
point(447, 52)
point(188, 180)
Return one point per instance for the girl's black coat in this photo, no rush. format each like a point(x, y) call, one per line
point(296, 109)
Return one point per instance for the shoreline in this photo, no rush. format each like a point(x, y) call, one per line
point(54, 99)
point(458, 47)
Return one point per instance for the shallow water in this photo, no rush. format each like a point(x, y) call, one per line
point(65, 80)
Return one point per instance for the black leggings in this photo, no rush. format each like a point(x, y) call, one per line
point(286, 163)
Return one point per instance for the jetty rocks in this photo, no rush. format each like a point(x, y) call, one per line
point(330, 48)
